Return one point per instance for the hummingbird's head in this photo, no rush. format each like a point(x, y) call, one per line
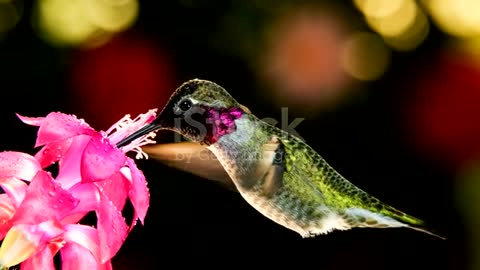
point(200, 110)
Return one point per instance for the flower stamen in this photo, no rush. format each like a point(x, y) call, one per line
point(127, 126)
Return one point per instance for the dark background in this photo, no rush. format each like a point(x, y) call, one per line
point(373, 137)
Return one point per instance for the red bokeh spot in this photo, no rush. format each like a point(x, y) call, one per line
point(128, 75)
point(302, 59)
point(445, 110)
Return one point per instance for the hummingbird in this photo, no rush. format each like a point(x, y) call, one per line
point(275, 172)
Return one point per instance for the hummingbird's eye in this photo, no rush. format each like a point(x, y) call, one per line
point(185, 105)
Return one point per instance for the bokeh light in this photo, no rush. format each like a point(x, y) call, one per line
point(365, 56)
point(397, 22)
point(470, 45)
point(468, 201)
point(378, 8)
point(302, 59)
point(63, 22)
point(401, 22)
point(82, 22)
point(10, 14)
point(130, 74)
point(442, 115)
point(112, 15)
point(456, 17)
point(413, 36)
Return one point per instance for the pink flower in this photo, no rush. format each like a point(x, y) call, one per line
point(40, 215)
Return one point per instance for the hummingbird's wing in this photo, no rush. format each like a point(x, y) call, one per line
point(353, 206)
point(192, 158)
point(270, 169)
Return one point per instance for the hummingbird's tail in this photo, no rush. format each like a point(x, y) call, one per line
point(386, 217)
point(426, 230)
point(410, 221)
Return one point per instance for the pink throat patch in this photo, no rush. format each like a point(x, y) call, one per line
point(221, 122)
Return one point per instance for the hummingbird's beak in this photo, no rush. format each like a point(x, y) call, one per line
point(139, 133)
point(162, 121)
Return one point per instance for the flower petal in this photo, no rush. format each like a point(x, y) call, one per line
point(44, 200)
point(18, 245)
point(19, 165)
point(6, 207)
point(107, 266)
point(69, 165)
point(112, 228)
point(76, 257)
point(43, 259)
point(33, 121)
point(23, 240)
point(88, 196)
point(52, 152)
point(14, 188)
point(84, 236)
point(51, 229)
point(7, 210)
point(115, 188)
point(100, 160)
point(139, 194)
point(58, 126)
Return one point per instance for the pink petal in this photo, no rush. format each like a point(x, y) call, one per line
point(112, 229)
point(14, 188)
point(69, 165)
point(100, 160)
point(76, 257)
point(115, 188)
point(19, 165)
point(52, 152)
point(40, 260)
point(46, 237)
point(51, 229)
point(41, 234)
point(6, 207)
point(139, 193)
point(44, 200)
point(107, 266)
point(6, 212)
point(73, 218)
point(58, 126)
point(88, 196)
point(33, 121)
point(85, 236)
